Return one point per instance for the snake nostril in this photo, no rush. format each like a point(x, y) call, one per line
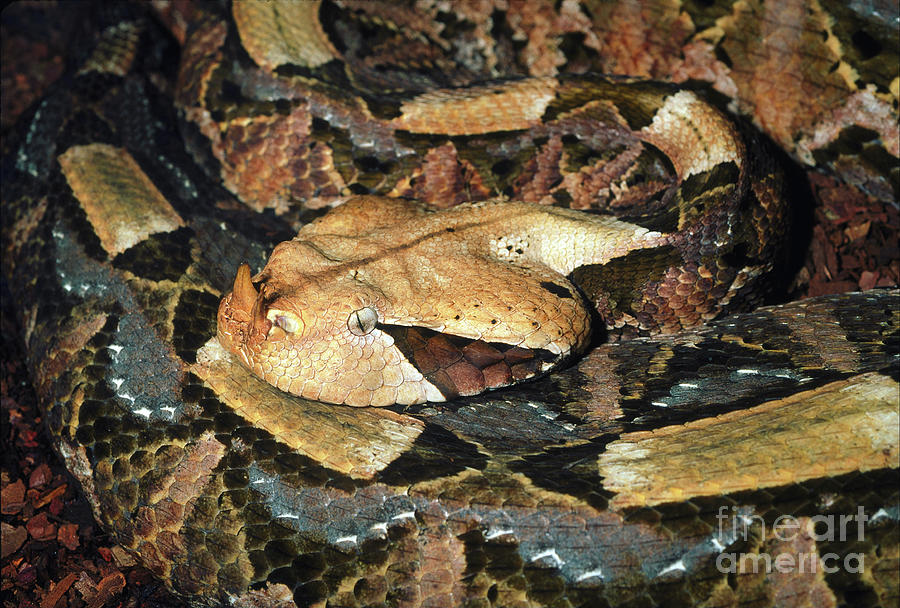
point(362, 321)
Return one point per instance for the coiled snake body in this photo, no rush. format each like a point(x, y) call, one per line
point(620, 480)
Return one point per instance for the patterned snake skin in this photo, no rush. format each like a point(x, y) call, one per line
point(654, 470)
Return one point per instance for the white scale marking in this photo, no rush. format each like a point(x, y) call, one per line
point(142, 412)
point(659, 403)
point(126, 396)
point(496, 533)
point(382, 527)
point(551, 553)
point(115, 348)
point(118, 382)
point(677, 566)
point(346, 539)
point(405, 515)
point(754, 372)
point(687, 385)
point(590, 574)
point(718, 546)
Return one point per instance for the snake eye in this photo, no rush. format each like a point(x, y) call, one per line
point(362, 321)
point(284, 319)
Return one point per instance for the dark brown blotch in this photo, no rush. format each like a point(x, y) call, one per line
point(621, 281)
point(560, 291)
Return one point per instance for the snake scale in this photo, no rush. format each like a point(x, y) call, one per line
point(637, 475)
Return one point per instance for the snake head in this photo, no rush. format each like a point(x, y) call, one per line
point(336, 338)
point(316, 331)
point(352, 319)
point(305, 338)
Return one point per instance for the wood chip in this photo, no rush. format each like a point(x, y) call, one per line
point(857, 231)
point(11, 538)
point(41, 528)
point(110, 586)
point(58, 590)
point(868, 280)
point(122, 558)
point(50, 495)
point(40, 477)
point(12, 498)
point(67, 536)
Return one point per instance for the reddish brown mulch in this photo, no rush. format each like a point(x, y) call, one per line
point(52, 553)
point(854, 241)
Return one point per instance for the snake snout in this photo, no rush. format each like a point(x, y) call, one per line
point(242, 315)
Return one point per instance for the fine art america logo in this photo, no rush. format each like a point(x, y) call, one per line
point(805, 531)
